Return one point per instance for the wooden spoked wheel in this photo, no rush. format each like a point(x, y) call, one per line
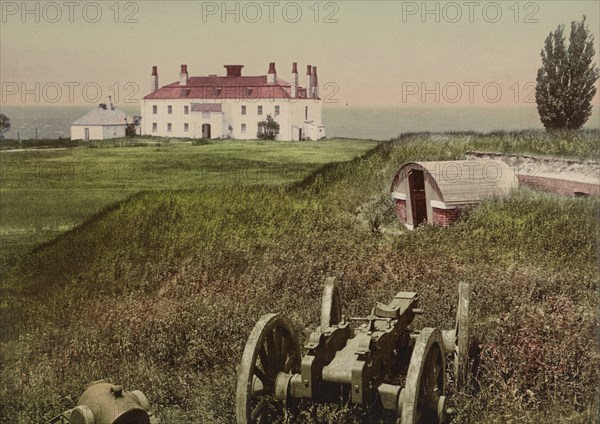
point(461, 351)
point(272, 348)
point(423, 398)
point(331, 304)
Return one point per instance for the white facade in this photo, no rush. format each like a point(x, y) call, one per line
point(296, 119)
point(164, 114)
point(97, 132)
point(102, 123)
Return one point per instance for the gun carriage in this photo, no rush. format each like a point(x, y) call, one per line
point(369, 360)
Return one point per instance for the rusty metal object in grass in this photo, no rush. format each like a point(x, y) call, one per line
point(375, 360)
point(106, 403)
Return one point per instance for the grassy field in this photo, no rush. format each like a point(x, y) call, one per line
point(160, 291)
point(47, 192)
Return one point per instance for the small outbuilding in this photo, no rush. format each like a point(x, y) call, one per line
point(102, 123)
point(437, 192)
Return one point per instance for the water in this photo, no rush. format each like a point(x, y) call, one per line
point(379, 123)
point(389, 122)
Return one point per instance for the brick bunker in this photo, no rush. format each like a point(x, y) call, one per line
point(567, 177)
point(437, 192)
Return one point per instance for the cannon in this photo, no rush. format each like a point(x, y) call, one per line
point(106, 403)
point(372, 360)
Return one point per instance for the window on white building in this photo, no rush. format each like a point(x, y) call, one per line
point(206, 115)
point(276, 110)
point(243, 110)
point(154, 127)
point(259, 110)
point(170, 110)
point(243, 128)
point(154, 110)
point(186, 110)
point(306, 113)
point(186, 127)
point(169, 127)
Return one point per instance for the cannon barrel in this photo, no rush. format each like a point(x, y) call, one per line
point(106, 403)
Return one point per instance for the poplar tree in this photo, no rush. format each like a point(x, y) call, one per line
point(566, 80)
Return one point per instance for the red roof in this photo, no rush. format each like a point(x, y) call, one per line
point(218, 87)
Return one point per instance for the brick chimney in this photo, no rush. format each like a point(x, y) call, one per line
point(315, 82)
point(272, 74)
point(154, 80)
point(234, 70)
point(183, 75)
point(294, 79)
point(308, 82)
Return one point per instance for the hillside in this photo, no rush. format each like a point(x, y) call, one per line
point(48, 191)
point(160, 291)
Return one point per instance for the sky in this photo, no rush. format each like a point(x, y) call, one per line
point(368, 53)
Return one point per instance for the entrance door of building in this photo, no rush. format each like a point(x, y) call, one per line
point(205, 130)
point(416, 185)
point(86, 134)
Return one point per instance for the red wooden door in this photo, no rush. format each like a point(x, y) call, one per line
point(416, 185)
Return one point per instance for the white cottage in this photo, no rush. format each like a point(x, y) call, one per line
point(231, 106)
point(102, 123)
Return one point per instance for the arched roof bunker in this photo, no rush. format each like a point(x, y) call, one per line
point(459, 182)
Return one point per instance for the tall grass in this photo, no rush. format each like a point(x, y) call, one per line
point(160, 292)
point(47, 192)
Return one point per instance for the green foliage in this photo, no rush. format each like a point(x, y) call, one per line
point(131, 130)
point(4, 125)
point(47, 192)
point(201, 141)
point(268, 129)
point(160, 291)
point(566, 80)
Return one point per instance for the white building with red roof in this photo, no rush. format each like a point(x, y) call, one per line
point(231, 106)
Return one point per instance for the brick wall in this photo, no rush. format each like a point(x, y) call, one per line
point(445, 217)
point(401, 209)
point(558, 186)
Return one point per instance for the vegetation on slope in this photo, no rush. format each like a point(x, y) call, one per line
point(160, 293)
point(48, 192)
